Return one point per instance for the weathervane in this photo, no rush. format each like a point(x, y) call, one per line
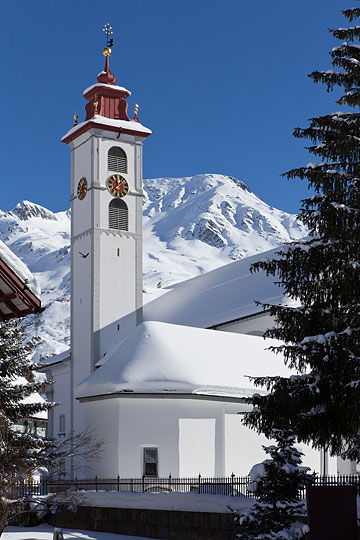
point(108, 31)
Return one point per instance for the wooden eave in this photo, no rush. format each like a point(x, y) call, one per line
point(16, 299)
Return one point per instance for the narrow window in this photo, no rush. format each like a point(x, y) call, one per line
point(62, 423)
point(117, 161)
point(150, 462)
point(118, 215)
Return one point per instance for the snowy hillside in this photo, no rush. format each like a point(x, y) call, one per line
point(41, 239)
point(198, 223)
point(191, 225)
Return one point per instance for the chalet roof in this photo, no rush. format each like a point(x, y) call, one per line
point(19, 289)
point(160, 358)
point(225, 294)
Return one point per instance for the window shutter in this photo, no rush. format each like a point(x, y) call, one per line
point(117, 161)
point(118, 215)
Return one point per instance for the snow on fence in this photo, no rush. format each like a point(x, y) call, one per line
point(235, 486)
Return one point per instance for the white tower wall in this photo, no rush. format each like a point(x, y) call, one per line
point(106, 263)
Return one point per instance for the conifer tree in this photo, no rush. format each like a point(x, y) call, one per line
point(20, 453)
point(277, 484)
point(322, 273)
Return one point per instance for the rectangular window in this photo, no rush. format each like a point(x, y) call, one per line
point(150, 462)
point(61, 423)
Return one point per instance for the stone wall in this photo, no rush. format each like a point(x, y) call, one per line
point(162, 524)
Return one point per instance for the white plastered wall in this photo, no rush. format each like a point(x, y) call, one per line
point(179, 428)
point(106, 264)
point(196, 447)
point(244, 449)
point(59, 392)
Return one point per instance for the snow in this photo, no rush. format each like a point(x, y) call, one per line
point(192, 225)
point(45, 532)
point(185, 502)
point(225, 294)
point(35, 397)
point(165, 358)
point(191, 502)
point(119, 124)
point(20, 269)
point(41, 239)
point(103, 85)
point(314, 165)
point(198, 223)
point(258, 471)
point(57, 358)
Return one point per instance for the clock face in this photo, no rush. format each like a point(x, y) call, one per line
point(82, 189)
point(117, 185)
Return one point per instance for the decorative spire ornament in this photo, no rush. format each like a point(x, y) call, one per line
point(108, 31)
point(96, 103)
point(136, 110)
point(76, 118)
point(106, 77)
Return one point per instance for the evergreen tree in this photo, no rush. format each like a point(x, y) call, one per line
point(278, 484)
point(322, 273)
point(20, 453)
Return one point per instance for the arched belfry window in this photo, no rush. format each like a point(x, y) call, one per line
point(117, 161)
point(118, 215)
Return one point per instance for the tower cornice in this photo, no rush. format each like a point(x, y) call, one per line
point(128, 127)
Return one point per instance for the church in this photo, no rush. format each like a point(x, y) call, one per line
point(163, 385)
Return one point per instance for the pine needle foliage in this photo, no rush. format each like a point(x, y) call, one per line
point(277, 483)
point(322, 276)
point(21, 453)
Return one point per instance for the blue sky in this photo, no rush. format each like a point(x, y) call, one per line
point(221, 84)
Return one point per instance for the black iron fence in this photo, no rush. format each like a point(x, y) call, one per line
point(234, 486)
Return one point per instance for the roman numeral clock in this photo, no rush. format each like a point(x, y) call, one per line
point(117, 185)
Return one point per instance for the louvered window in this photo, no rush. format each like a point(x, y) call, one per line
point(117, 161)
point(150, 461)
point(118, 215)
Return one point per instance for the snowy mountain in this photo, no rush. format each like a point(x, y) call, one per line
point(191, 225)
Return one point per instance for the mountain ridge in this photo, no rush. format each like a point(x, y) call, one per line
point(190, 225)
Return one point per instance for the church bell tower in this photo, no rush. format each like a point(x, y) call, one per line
point(106, 222)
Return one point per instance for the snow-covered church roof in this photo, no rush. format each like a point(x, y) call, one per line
point(160, 358)
point(225, 294)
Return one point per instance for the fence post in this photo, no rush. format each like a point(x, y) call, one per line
point(96, 482)
point(232, 484)
point(143, 483)
point(118, 482)
point(169, 482)
point(76, 484)
point(199, 483)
